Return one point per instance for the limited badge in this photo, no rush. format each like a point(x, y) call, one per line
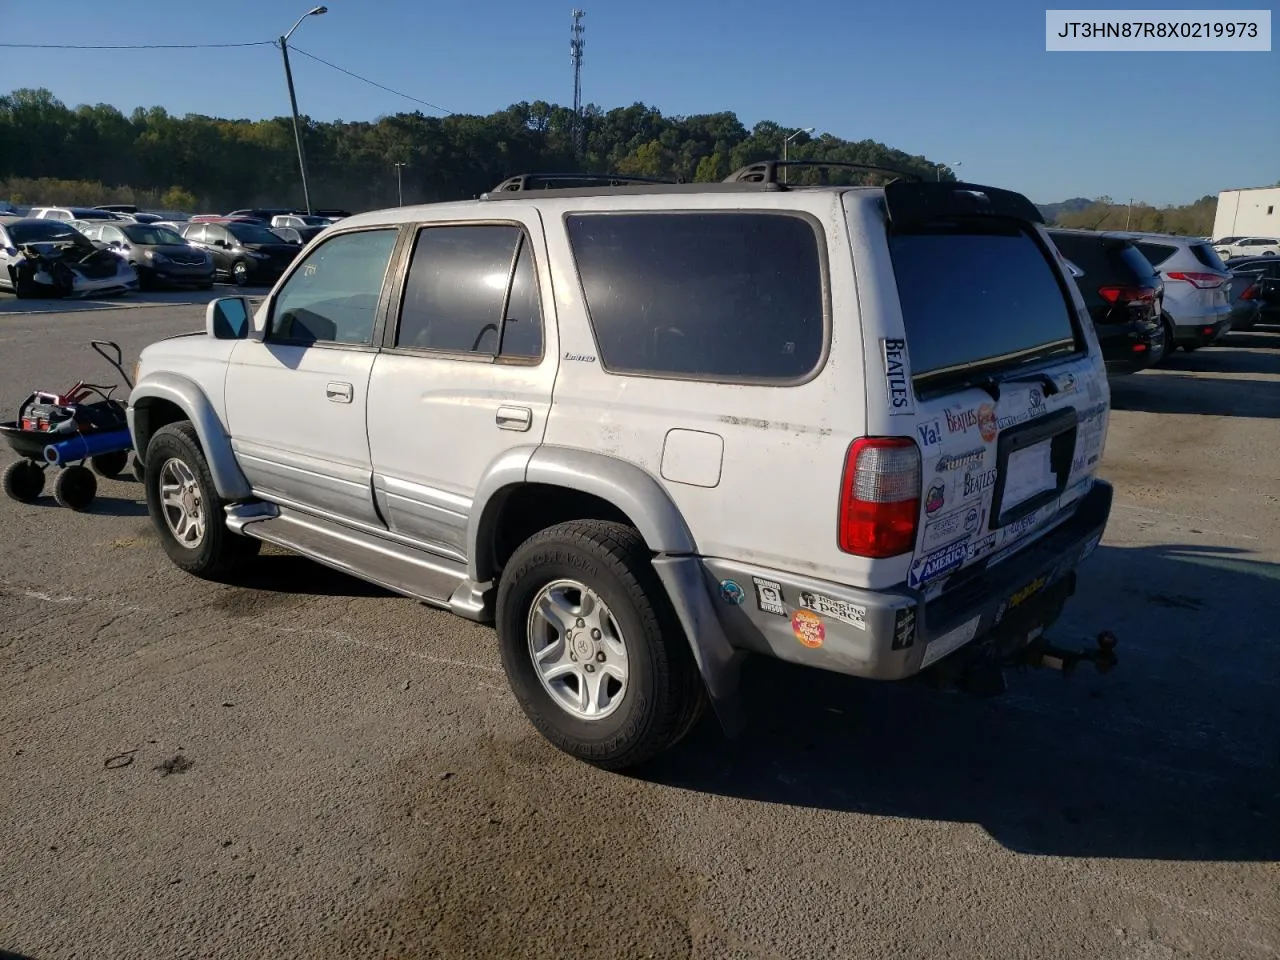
point(808, 628)
point(732, 592)
point(769, 596)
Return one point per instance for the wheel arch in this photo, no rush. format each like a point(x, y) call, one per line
point(164, 398)
point(530, 488)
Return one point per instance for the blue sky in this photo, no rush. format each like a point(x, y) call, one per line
point(966, 83)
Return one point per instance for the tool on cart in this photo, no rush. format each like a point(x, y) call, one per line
point(65, 430)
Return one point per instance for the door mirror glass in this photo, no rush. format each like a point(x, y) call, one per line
point(227, 318)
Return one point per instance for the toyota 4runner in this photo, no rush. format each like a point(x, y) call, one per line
point(647, 428)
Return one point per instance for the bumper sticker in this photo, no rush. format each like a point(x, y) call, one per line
point(769, 596)
point(842, 610)
point(950, 527)
point(904, 628)
point(808, 628)
point(934, 565)
point(732, 593)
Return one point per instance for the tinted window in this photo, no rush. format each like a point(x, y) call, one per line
point(251, 233)
point(148, 234)
point(1157, 253)
point(37, 231)
point(978, 296)
point(456, 285)
point(1208, 256)
point(522, 327)
point(333, 294)
point(720, 296)
point(1104, 260)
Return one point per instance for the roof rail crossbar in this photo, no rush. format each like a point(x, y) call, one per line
point(766, 171)
point(559, 181)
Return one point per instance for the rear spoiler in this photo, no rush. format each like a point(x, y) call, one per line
point(908, 202)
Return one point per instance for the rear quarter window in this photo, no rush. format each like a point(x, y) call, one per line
point(1208, 256)
point(714, 296)
point(1157, 253)
point(978, 295)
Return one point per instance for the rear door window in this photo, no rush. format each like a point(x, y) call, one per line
point(1157, 253)
point(718, 296)
point(978, 296)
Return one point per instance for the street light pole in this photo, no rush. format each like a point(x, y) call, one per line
point(293, 100)
point(399, 183)
point(784, 147)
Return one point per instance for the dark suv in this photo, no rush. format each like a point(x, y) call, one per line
point(243, 252)
point(1123, 292)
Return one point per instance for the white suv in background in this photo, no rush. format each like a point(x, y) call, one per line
point(1247, 247)
point(1197, 288)
point(645, 429)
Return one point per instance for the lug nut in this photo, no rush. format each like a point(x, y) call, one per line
point(581, 622)
point(590, 668)
point(573, 656)
point(600, 656)
point(595, 634)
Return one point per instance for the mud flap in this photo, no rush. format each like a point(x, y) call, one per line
point(718, 661)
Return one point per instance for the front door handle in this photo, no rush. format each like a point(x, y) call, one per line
point(514, 418)
point(339, 392)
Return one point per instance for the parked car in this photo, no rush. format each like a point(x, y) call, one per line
point(73, 213)
point(117, 207)
point(265, 214)
point(49, 258)
point(855, 428)
point(1247, 247)
point(1263, 276)
point(299, 220)
point(1197, 288)
point(160, 255)
point(1122, 292)
point(243, 252)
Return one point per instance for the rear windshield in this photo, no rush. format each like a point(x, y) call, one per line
point(1208, 256)
point(1104, 260)
point(978, 296)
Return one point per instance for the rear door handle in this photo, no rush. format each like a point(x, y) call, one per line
point(514, 418)
point(338, 392)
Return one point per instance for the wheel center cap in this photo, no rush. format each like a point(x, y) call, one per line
point(189, 502)
point(584, 646)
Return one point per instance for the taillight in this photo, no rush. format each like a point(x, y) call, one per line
point(1127, 294)
point(1201, 281)
point(880, 497)
point(1251, 293)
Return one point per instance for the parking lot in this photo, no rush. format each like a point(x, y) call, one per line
point(303, 765)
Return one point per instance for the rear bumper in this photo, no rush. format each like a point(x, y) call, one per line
point(893, 634)
point(1200, 331)
point(1130, 347)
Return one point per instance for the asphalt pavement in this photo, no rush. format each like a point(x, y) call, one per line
point(302, 765)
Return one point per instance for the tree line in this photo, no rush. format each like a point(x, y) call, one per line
point(1190, 220)
point(51, 153)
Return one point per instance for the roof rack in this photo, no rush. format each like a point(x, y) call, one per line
point(561, 181)
point(766, 171)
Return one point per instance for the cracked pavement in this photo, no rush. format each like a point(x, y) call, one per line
point(303, 765)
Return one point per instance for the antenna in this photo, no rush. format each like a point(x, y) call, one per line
point(576, 43)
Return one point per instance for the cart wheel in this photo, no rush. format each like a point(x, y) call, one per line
point(139, 471)
point(75, 487)
point(110, 465)
point(23, 481)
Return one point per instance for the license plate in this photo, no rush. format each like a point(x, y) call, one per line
point(1028, 473)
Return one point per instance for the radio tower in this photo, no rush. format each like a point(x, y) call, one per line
point(576, 43)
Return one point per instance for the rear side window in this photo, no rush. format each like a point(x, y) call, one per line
point(1208, 256)
point(716, 296)
point(1157, 253)
point(978, 295)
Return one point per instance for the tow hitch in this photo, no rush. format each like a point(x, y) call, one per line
point(1041, 653)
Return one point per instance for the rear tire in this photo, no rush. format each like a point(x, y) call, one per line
point(23, 481)
point(240, 273)
point(607, 621)
point(187, 513)
point(75, 488)
point(110, 465)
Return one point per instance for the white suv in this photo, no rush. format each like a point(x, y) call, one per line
point(1197, 288)
point(648, 428)
point(1247, 247)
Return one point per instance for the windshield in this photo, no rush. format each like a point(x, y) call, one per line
point(41, 231)
point(148, 235)
point(978, 295)
point(252, 233)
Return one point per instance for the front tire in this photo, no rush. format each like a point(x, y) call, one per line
point(592, 648)
point(185, 508)
point(240, 273)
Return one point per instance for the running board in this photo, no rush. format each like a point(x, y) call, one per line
point(403, 569)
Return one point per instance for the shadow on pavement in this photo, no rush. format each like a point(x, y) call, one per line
point(1227, 357)
point(1159, 392)
point(1173, 756)
point(1262, 335)
point(295, 574)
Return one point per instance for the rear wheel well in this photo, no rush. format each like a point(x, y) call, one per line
point(150, 415)
point(530, 507)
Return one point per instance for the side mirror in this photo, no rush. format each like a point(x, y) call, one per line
point(227, 318)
